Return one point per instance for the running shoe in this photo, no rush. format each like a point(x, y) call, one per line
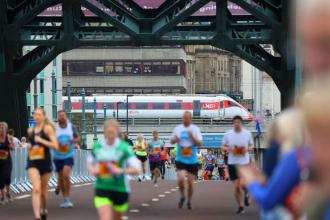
point(9, 197)
point(66, 204)
point(43, 216)
point(139, 179)
point(3, 201)
point(163, 177)
point(189, 206)
point(181, 202)
point(57, 190)
point(240, 210)
point(246, 199)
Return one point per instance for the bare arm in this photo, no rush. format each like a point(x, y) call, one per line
point(11, 143)
point(52, 143)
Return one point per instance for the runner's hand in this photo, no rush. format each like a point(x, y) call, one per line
point(190, 133)
point(95, 171)
point(115, 170)
point(177, 139)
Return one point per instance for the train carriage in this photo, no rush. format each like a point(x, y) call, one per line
point(220, 107)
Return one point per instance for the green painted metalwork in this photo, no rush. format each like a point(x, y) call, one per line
point(122, 23)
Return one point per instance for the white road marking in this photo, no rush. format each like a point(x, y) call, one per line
point(174, 190)
point(167, 192)
point(134, 210)
point(124, 217)
point(155, 200)
point(23, 197)
point(145, 204)
point(161, 195)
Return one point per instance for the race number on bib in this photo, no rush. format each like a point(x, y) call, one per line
point(64, 148)
point(37, 153)
point(239, 151)
point(186, 151)
point(4, 155)
point(157, 150)
point(104, 169)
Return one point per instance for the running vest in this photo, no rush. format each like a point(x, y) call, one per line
point(65, 137)
point(141, 148)
point(155, 148)
point(5, 151)
point(38, 153)
point(210, 160)
point(106, 155)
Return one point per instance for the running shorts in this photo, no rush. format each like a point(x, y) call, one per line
point(233, 175)
point(118, 200)
point(190, 168)
point(5, 173)
point(61, 163)
point(154, 164)
point(209, 167)
point(142, 158)
point(42, 166)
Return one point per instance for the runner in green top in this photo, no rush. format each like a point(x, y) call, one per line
point(111, 161)
point(140, 148)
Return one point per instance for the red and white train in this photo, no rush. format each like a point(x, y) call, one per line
point(219, 107)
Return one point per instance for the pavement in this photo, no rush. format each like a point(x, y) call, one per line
point(213, 200)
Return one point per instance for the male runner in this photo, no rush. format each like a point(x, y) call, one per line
point(188, 138)
point(237, 143)
point(67, 136)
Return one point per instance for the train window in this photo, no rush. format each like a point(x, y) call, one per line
point(110, 105)
point(232, 104)
point(89, 105)
point(157, 105)
point(123, 105)
point(141, 105)
point(175, 105)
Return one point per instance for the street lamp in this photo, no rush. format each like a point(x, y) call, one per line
point(117, 105)
point(127, 112)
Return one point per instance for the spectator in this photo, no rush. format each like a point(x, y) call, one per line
point(11, 133)
point(24, 144)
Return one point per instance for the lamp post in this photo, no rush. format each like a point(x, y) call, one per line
point(69, 100)
point(83, 119)
point(127, 112)
point(105, 111)
point(94, 122)
point(54, 96)
point(118, 109)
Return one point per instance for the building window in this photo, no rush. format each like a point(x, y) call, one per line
point(41, 86)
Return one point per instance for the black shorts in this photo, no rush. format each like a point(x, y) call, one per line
point(60, 164)
point(225, 160)
point(232, 170)
point(154, 164)
point(190, 168)
point(142, 158)
point(5, 173)
point(42, 166)
point(116, 198)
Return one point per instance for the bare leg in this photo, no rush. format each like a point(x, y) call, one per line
point(117, 215)
point(36, 191)
point(44, 192)
point(191, 179)
point(237, 192)
point(181, 176)
point(105, 213)
point(66, 172)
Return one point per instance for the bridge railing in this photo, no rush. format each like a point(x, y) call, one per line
point(20, 180)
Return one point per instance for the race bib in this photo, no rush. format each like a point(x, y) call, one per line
point(186, 151)
point(157, 150)
point(239, 151)
point(37, 153)
point(104, 169)
point(139, 147)
point(64, 149)
point(4, 155)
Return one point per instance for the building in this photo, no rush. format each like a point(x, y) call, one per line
point(259, 87)
point(212, 70)
point(40, 94)
point(121, 70)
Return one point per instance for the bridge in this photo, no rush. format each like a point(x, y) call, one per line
point(124, 22)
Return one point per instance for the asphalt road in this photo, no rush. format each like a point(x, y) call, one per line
point(212, 201)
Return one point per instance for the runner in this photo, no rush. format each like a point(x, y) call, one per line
point(6, 164)
point(155, 147)
point(188, 137)
point(220, 164)
point(163, 161)
point(67, 136)
point(17, 142)
point(39, 166)
point(141, 153)
point(200, 165)
point(111, 161)
point(210, 161)
point(238, 142)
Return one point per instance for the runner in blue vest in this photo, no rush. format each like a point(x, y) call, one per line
point(155, 147)
point(188, 138)
point(67, 136)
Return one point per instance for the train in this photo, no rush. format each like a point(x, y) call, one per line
point(217, 107)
